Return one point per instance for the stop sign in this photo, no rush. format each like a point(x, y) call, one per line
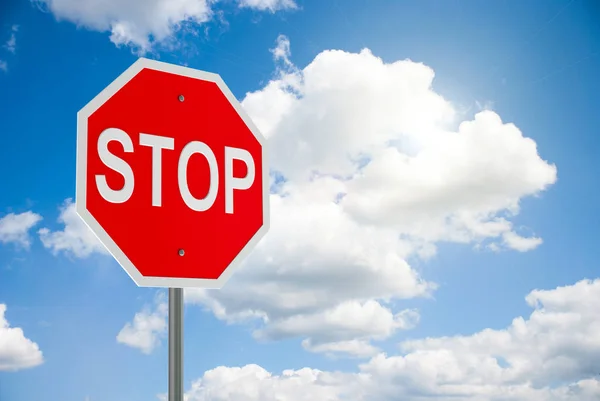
point(172, 176)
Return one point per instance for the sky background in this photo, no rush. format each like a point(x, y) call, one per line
point(444, 233)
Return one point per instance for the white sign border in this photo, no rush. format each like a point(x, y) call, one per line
point(81, 176)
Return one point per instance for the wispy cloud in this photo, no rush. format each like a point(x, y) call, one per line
point(11, 43)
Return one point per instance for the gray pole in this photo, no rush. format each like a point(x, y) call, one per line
point(175, 344)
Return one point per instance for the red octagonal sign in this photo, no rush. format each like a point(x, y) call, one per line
point(172, 175)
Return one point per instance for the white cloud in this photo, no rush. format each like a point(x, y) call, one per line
point(75, 238)
point(3, 66)
point(282, 51)
point(270, 5)
point(554, 355)
point(16, 351)
point(519, 243)
point(252, 382)
point(138, 23)
point(144, 23)
point(377, 167)
point(14, 228)
point(11, 43)
point(148, 327)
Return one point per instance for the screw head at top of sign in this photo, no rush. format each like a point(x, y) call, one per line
point(181, 252)
point(181, 98)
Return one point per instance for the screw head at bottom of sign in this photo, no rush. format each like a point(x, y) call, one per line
point(181, 98)
point(181, 252)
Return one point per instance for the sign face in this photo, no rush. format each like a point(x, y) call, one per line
point(172, 175)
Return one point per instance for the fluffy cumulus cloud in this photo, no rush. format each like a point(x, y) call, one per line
point(75, 239)
point(16, 351)
point(373, 167)
point(553, 355)
point(148, 327)
point(14, 228)
point(145, 23)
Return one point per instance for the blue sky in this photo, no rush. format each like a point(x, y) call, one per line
point(443, 234)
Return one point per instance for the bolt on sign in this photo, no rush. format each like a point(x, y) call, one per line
point(172, 175)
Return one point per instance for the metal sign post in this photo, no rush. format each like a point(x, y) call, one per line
point(175, 344)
